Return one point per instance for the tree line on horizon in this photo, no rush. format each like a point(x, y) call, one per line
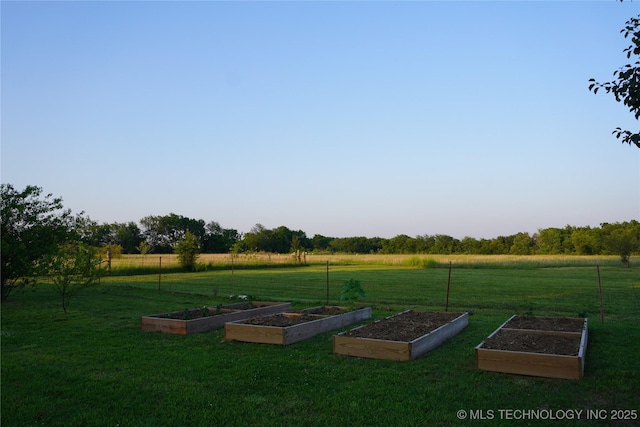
point(160, 234)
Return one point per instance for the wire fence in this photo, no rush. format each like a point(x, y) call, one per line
point(578, 287)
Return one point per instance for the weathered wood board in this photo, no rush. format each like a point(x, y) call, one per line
point(242, 331)
point(230, 312)
point(535, 364)
point(398, 350)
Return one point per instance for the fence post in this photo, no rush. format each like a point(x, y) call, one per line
point(327, 282)
point(159, 272)
point(600, 295)
point(233, 292)
point(446, 307)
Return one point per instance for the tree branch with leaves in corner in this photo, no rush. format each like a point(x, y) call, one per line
point(625, 86)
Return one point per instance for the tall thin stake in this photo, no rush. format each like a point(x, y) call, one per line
point(446, 308)
point(327, 282)
point(233, 283)
point(159, 272)
point(600, 295)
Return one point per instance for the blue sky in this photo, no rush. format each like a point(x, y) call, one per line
point(335, 118)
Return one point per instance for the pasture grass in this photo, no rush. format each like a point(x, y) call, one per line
point(94, 367)
point(168, 263)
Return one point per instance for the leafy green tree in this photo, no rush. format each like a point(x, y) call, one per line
point(555, 241)
point(356, 245)
point(296, 246)
point(320, 242)
point(622, 239)
point(163, 232)
point(523, 244)
point(499, 245)
point(400, 244)
point(72, 266)
point(218, 240)
point(144, 248)
point(127, 235)
point(92, 233)
point(304, 241)
point(31, 227)
point(444, 244)
point(586, 241)
point(188, 249)
point(469, 245)
point(425, 243)
point(258, 239)
point(626, 84)
point(280, 240)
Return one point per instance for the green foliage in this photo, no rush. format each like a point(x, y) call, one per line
point(126, 235)
point(351, 292)
point(626, 84)
point(278, 240)
point(188, 249)
point(523, 244)
point(72, 267)
point(164, 232)
point(217, 239)
point(31, 227)
point(144, 248)
point(621, 239)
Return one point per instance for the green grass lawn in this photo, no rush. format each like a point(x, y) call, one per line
point(93, 367)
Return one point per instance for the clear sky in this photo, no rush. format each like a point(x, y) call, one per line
point(336, 118)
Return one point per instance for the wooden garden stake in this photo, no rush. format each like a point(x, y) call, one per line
point(600, 295)
point(233, 292)
point(446, 308)
point(327, 282)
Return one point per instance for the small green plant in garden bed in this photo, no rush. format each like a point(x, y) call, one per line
point(351, 292)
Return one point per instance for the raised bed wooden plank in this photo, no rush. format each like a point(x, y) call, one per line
point(535, 363)
point(285, 335)
point(398, 350)
point(532, 364)
point(371, 348)
point(432, 340)
point(251, 333)
point(167, 322)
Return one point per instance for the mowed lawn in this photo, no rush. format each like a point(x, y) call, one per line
point(94, 367)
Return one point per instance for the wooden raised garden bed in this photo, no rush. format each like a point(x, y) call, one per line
point(208, 318)
point(552, 347)
point(288, 328)
point(403, 336)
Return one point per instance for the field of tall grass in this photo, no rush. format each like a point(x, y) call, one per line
point(94, 367)
point(152, 263)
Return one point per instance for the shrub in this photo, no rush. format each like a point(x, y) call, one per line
point(188, 249)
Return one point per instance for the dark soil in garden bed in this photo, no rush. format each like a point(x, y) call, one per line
point(282, 320)
point(532, 342)
point(403, 327)
point(562, 324)
point(326, 310)
point(197, 313)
